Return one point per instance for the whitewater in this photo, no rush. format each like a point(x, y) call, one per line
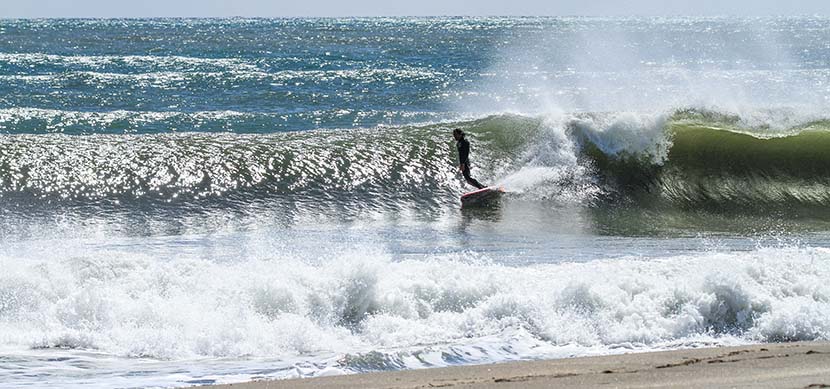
point(201, 201)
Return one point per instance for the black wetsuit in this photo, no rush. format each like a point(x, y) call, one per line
point(464, 159)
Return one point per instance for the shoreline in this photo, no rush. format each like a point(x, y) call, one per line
point(770, 365)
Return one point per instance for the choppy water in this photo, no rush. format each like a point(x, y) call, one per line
point(204, 201)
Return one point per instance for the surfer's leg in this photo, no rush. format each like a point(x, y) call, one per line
point(470, 180)
point(475, 183)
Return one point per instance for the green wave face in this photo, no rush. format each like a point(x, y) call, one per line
point(716, 163)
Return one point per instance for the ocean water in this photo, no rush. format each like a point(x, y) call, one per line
point(198, 201)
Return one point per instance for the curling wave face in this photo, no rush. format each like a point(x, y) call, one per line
point(712, 160)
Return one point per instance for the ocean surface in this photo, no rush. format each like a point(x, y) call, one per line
point(198, 201)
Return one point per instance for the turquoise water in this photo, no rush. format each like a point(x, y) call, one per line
point(197, 201)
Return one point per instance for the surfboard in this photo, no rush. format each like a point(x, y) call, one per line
point(481, 196)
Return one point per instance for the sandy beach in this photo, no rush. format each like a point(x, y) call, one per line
point(784, 365)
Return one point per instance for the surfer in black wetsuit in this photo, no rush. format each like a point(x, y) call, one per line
point(463, 146)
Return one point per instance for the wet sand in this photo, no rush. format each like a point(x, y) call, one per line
point(780, 365)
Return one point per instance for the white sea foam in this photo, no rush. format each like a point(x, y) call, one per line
point(383, 313)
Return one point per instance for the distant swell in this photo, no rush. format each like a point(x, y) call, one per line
point(50, 121)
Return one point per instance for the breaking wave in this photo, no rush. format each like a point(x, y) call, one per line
point(686, 159)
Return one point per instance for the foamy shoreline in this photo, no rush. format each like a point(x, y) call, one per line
point(774, 365)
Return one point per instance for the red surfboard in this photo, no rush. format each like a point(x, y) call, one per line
point(481, 196)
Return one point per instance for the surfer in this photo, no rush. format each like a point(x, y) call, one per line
point(463, 146)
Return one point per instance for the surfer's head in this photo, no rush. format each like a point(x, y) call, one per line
point(457, 134)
